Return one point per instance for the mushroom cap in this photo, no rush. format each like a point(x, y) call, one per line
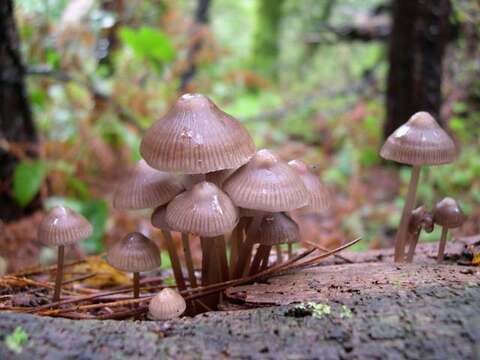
point(420, 218)
point(204, 210)
point(320, 198)
point(158, 218)
point(266, 183)
point(278, 228)
point(63, 226)
point(167, 304)
point(134, 253)
point(420, 141)
point(448, 213)
point(145, 188)
point(196, 137)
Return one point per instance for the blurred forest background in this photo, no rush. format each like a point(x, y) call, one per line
point(321, 80)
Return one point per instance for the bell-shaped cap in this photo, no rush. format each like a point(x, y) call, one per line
point(320, 198)
point(146, 188)
point(448, 213)
point(167, 304)
point(268, 184)
point(63, 226)
point(204, 210)
point(278, 228)
point(420, 219)
point(420, 141)
point(134, 253)
point(196, 137)
point(159, 218)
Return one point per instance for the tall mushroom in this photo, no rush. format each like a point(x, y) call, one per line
point(419, 142)
point(208, 212)
point(196, 138)
point(62, 226)
point(134, 253)
point(449, 215)
point(266, 184)
point(275, 229)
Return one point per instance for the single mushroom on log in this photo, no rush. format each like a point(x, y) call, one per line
point(419, 219)
point(265, 184)
point(418, 142)
point(60, 227)
point(197, 139)
point(449, 215)
point(166, 305)
point(275, 229)
point(134, 253)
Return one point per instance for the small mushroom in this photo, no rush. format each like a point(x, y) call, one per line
point(266, 184)
point(420, 219)
point(449, 215)
point(134, 253)
point(275, 229)
point(145, 188)
point(166, 305)
point(418, 142)
point(62, 226)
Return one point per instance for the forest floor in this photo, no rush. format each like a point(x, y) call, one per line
point(367, 309)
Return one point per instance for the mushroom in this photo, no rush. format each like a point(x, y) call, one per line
point(145, 188)
point(134, 253)
point(268, 185)
point(449, 215)
point(207, 211)
point(275, 229)
point(167, 304)
point(419, 219)
point(196, 138)
point(62, 226)
point(420, 141)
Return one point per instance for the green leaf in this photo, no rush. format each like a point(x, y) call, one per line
point(16, 340)
point(148, 43)
point(27, 179)
point(96, 212)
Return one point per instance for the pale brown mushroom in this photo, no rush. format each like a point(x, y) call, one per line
point(62, 226)
point(166, 305)
point(420, 141)
point(419, 219)
point(134, 253)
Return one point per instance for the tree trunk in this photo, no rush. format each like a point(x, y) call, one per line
point(201, 20)
point(418, 39)
point(16, 123)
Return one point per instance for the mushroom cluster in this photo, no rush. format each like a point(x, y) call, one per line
point(204, 178)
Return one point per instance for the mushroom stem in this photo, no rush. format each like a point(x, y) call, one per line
point(189, 261)
point(236, 241)
point(278, 248)
point(441, 246)
point(413, 245)
point(59, 275)
point(290, 250)
point(399, 254)
point(262, 251)
point(136, 285)
point(246, 250)
point(222, 257)
point(176, 266)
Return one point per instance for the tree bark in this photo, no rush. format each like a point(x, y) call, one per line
point(16, 123)
point(200, 21)
point(418, 39)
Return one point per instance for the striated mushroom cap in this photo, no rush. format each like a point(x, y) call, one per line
point(167, 304)
point(204, 210)
point(158, 218)
point(266, 183)
point(63, 226)
point(420, 141)
point(320, 198)
point(196, 137)
point(278, 228)
point(448, 213)
point(145, 188)
point(134, 253)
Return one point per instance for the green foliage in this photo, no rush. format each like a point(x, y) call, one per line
point(148, 43)
point(27, 180)
point(17, 340)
